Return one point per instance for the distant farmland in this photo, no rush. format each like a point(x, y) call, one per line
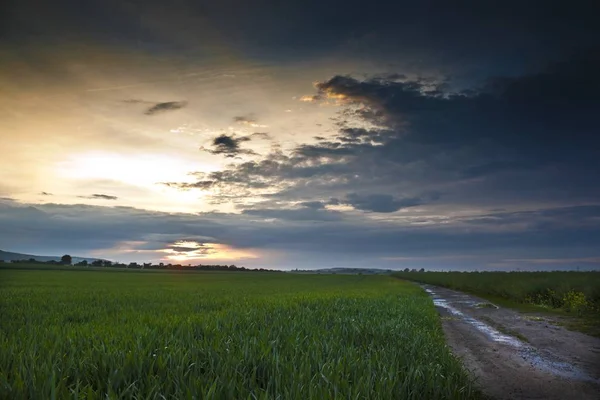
point(175, 335)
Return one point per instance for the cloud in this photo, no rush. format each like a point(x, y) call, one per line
point(190, 247)
point(138, 101)
point(159, 108)
point(46, 194)
point(433, 163)
point(261, 135)
point(311, 98)
point(306, 237)
point(584, 216)
point(244, 119)
point(182, 249)
point(315, 205)
point(300, 214)
point(229, 145)
point(525, 142)
point(529, 112)
point(249, 120)
point(202, 185)
point(381, 203)
point(99, 197)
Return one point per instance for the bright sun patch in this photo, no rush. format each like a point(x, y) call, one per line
point(136, 178)
point(139, 170)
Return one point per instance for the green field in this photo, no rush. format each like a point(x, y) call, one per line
point(575, 292)
point(182, 335)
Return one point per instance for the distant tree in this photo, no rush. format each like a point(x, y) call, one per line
point(107, 263)
point(413, 270)
point(406, 270)
point(82, 263)
point(422, 270)
point(66, 259)
point(97, 263)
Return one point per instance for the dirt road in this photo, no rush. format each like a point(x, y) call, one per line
point(516, 356)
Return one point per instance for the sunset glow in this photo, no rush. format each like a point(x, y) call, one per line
point(198, 252)
point(334, 136)
point(140, 170)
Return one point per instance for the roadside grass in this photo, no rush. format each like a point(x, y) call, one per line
point(534, 293)
point(205, 335)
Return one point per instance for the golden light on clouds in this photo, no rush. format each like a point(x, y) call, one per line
point(186, 250)
point(309, 99)
point(92, 131)
point(326, 98)
point(336, 96)
point(181, 251)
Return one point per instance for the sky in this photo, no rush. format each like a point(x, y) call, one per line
point(302, 134)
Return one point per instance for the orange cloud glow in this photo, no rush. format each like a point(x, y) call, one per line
point(191, 250)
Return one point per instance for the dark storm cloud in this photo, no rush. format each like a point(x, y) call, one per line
point(533, 109)
point(476, 36)
point(159, 108)
point(381, 203)
point(512, 141)
point(515, 123)
point(99, 197)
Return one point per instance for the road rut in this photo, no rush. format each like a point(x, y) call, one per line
point(517, 356)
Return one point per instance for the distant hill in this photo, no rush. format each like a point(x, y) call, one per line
point(364, 271)
point(9, 256)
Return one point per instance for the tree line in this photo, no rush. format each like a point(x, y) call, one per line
point(68, 260)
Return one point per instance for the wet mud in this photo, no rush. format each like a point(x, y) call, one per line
point(517, 356)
